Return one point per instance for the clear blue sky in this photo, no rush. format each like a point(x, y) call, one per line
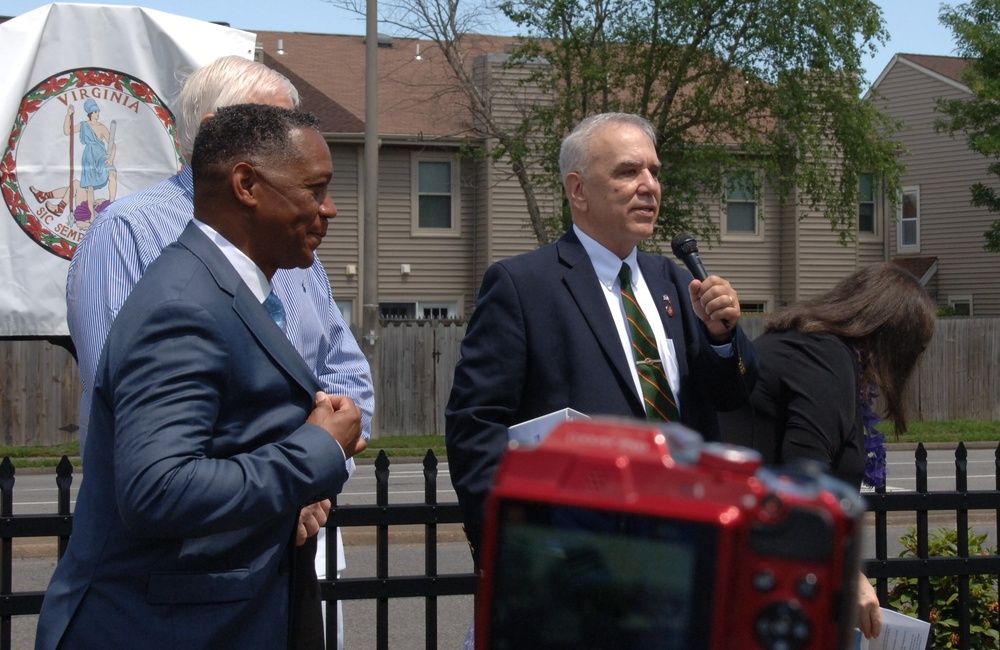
point(913, 24)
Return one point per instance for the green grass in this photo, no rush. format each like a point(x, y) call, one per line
point(406, 446)
point(953, 431)
point(417, 446)
point(399, 447)
point(56, 451)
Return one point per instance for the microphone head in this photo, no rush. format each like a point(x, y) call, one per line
point(684, 244)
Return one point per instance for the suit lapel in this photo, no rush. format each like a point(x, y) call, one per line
point(272, 339)
point(583, 285)
point(249, 309)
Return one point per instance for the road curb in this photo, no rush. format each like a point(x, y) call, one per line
point(402, 534)
point(41, 547)
point(940, 446)
point(442, 459)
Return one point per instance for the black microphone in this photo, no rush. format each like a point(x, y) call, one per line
point(685, 247)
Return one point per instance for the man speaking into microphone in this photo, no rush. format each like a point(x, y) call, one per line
point(590, 323)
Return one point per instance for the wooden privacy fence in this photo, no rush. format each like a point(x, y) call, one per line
point(383, 587)
point(416, 364)
point(958, 375)
point(957, 379)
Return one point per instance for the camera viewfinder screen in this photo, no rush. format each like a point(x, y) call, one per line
point(582, 579)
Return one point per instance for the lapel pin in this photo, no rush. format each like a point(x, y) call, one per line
point(669, 307)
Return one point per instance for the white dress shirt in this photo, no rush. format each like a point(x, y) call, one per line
point(608, 265)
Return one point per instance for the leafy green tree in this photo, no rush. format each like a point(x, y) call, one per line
point(976, 26)
point(770, 88)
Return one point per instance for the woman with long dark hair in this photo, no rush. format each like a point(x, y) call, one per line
point(823, 363)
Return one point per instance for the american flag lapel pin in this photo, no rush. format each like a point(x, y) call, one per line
point(669, 307)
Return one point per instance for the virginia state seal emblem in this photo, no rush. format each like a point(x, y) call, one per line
point(81, 139)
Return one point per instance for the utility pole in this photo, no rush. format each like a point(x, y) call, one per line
point(369, 283)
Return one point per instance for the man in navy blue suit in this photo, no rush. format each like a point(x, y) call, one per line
point(208, 432)
point(549, 331)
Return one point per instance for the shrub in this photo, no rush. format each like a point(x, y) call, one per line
point(944, 606)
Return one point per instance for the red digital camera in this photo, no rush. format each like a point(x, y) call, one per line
point(613, 534)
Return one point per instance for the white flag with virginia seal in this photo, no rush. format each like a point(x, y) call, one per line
point(85, 116)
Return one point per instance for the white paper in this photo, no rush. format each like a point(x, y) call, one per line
point(534, 431)
point(899, 632)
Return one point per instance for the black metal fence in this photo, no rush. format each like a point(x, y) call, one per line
point(381, 587)
point(430, 585)
point(923, 567)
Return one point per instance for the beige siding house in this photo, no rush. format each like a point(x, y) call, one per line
point(933, 231)
point(443, 217)
point(788, 253)
point(938, 234)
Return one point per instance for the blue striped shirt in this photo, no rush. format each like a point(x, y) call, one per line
point(125, 239)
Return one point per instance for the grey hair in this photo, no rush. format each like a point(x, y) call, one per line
point(226, 81)
point(574, 154)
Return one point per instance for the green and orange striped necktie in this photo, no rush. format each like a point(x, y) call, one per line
point(659, 399)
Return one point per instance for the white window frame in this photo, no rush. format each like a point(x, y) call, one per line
point(753, 302)
point(346, 308)
point(874, 204)
point(964, 299)
point(418, 307)
point(758, 231)
point(383, 302)
point(456, 196)
point(450, 307)
point(901, 246)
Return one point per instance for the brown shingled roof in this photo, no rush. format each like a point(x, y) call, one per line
point(947, 66)
point(333, 117)
point(918, 266)
point(416, 97)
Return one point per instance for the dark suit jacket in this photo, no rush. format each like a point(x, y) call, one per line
point(542, 339)
point(198, 462)
point(806, 405)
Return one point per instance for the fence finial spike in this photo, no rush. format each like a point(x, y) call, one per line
point(65, 467)
point(382, 464)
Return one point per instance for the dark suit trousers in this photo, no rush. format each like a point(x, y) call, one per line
point(307, 613)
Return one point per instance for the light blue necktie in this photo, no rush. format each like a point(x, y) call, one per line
point(277, 311)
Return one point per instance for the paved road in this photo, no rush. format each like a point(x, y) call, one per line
point(36, 493)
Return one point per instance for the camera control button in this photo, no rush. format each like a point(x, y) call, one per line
point(783, 626)
point(808, 586)
point(764, 581)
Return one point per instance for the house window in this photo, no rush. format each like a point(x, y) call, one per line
point(909, 220)
point(435, 194)
point(438, 310)
point(753, 307)
point(741, 204)
point(866, 204)
point(346, 310)
point(962, 305)
point(417, 310)
point(397, 310)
